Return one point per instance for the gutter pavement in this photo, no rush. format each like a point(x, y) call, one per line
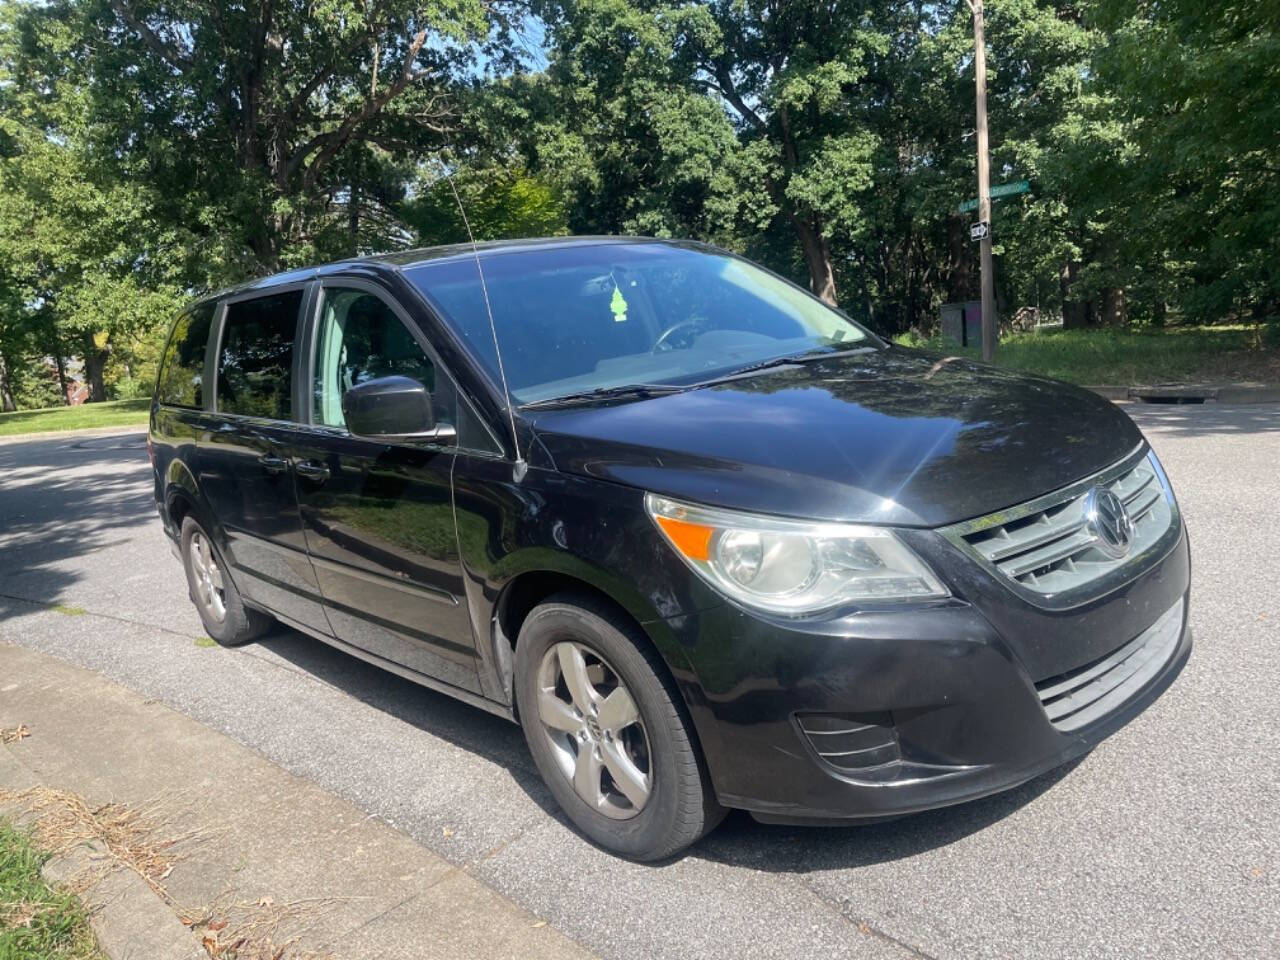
point(331, 881)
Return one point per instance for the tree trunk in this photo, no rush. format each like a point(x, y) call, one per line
point(95, 363)
point(1114, 313)
point(7, 403)
point(266, 247)
point(60, 362)
point(1075, 313)
point(817, 257)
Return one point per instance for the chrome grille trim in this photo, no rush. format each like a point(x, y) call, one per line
point(1043, 550)
point(1090, 693)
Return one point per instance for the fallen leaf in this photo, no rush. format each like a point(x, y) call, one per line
point(266, 902)
point(539, 923)
point(20, 732)
point(217, 925)
point(448, 832)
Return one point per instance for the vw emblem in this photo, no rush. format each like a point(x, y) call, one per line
point(1109, 522)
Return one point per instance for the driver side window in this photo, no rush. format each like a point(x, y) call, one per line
point(361, 338)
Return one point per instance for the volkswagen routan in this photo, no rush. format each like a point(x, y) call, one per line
point(708, 541)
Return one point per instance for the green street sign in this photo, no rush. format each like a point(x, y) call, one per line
point(1003, 190)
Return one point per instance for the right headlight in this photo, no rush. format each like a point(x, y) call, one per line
point(792, 566)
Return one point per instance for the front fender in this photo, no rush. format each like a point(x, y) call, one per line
point(576, 528)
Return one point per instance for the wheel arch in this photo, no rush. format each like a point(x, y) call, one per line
point(525, 591)
point(530, 588)
point(182, 498)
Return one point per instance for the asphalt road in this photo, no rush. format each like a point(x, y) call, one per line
point(1163, 842)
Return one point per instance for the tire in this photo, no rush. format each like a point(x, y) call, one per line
point(226, 619)
point(679, 807)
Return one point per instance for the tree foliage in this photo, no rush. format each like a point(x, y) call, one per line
point(153, 149)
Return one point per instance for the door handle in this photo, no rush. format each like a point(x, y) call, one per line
point(273, 464)
point(316, 472)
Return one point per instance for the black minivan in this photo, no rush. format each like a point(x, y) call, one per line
point(708, 541)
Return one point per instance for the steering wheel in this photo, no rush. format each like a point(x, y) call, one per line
point(661, 344)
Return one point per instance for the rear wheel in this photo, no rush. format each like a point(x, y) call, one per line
point(608, 732)
point(226, 619)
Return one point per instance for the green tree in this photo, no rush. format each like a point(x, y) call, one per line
point(717, 119)
point(500, 202)
point(87, 263)
point(270, 126)
point(1197, 89)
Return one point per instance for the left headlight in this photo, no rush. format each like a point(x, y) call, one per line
point(792, 566)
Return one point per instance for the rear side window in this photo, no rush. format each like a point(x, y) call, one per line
point(255, 362)
point(182, 371)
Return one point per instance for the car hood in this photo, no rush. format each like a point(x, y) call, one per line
point(893, 436)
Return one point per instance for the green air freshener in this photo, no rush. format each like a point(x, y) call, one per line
point(619, 306)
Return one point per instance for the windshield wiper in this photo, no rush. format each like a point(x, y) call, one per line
point(642, 391)
point(795, 359)
point(638, 391)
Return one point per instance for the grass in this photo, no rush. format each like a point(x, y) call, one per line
point(113, 413)
point(1134, 357)
point(206, 642)
point(37, 922)
point(68, 611)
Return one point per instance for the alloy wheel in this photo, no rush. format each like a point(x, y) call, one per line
point(210, 592)
point(594, 727)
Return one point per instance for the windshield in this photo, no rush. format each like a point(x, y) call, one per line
point(591, 317)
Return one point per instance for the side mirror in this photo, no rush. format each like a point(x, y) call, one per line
point(393, 410)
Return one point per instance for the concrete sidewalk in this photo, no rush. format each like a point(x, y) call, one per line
point(334, 881)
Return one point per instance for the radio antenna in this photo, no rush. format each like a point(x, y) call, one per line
point(520, 467)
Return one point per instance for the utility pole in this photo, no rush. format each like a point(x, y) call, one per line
point(989, 329)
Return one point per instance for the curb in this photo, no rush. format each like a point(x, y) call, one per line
point(129, 920)
point(127, 917)
point(1192, 392)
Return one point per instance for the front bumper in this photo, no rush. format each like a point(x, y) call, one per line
point(958, 698)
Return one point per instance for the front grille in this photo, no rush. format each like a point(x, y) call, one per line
point(1089, 693)
point(1045, 547)
point(853, 741)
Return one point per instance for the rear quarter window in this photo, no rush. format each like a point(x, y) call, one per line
point(255, 362)
point(182, 371)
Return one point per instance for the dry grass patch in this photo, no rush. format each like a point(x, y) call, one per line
point(132, 837)
point(14, 734)
point(233, 929)
point(141, 839)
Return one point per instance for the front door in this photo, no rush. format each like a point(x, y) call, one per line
point(379, 518)
point(245, 457)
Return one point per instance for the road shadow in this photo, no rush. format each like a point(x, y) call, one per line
point(739, 841)
point(742, 842)
point(1207, 419)
point(61, 499)
point(487, 736)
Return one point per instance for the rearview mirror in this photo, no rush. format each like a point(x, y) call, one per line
point(393, 410)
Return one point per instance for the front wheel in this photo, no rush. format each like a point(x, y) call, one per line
point(608, 732)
